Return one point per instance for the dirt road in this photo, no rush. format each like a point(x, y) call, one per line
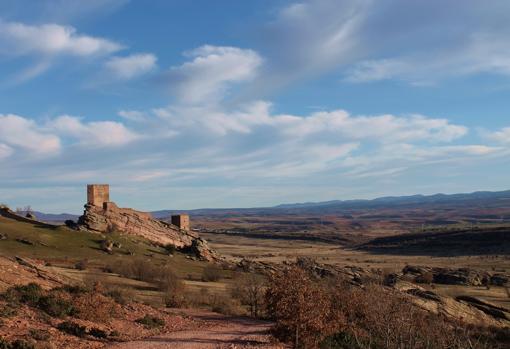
point(217, 331)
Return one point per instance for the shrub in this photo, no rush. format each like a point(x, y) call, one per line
point(72, 289)
point(170, 249)
point(72, 328)
point(249, 290)
point(94, 306)
point(169, 281)
point(120, 295)
point(302, 309)
point(82, 265)
point(8, 310)
point(4, 344)
point(150, 321)
point(224, 305)
point(211, 273)
point(21, 344)
point(40, 335)
point(340, 340)
point(97, 333)
point(175, 300)
point(27, 294)
point(163, 276)
point(56, 306)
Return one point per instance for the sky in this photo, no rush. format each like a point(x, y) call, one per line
point(230, 103)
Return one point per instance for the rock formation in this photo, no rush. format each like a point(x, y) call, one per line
point(460, 276)
point(107, 217)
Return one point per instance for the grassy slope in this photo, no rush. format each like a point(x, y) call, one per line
point(63, 247)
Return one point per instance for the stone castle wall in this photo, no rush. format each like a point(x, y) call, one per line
point(98, 194)
point(181, 221)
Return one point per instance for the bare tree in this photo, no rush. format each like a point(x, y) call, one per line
point(249, 289)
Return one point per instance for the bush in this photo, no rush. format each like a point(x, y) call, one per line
point(40, 335)
point(82, 265)
point(211, 273)
point(122, 296)
point(249, 290)
point(163, 276)
point(97, 333)
point(94, 306)
point(170, 249)
point(225, 305)
point(4, 344)
point(302, 309)
point(26, 294)
point(72, 328)
point(55, 306)
point(340, 340)
point(175, 300)
point(72, 289)
point(169, 281)
point(21, 344)
point(150, 321)
point(8, 310)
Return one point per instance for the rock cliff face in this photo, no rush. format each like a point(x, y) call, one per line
point(111, 218)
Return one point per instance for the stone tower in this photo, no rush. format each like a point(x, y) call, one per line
point(98, 194)
point(181, 220)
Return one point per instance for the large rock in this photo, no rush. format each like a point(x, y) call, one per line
point(110, 218)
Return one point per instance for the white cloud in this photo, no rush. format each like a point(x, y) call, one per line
point(47, 42)
point(16, 131)
point(50, 39)
point(368, 40)
point(133, 115)
point(190, 145)
point(501, 136)
point(93, 134)
point(131, 66)
point(5, 151)
point(211, 72)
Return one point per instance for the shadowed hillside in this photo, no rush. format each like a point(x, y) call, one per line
point(478, 241)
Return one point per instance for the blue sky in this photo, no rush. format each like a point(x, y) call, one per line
point(188, 104)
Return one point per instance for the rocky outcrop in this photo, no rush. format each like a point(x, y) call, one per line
point(464, 308)
point(500, 280)
point(110, 218)
point(450, 276)
point(8, 213)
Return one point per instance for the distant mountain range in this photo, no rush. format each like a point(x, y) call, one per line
point(485, 199)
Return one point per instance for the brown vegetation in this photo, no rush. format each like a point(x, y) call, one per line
point(312, 313)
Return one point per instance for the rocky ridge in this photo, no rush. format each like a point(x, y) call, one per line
point(110, 218)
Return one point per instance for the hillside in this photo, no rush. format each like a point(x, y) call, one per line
point(444, 242)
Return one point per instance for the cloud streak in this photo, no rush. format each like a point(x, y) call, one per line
point(132, 66)
point(211, 72)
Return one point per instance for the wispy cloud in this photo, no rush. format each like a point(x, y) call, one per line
point(131, 66)
point(210, 73)
point(16, 131)
point(46, 42)
point(93, 134)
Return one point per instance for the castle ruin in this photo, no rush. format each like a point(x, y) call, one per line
point(98, 194)
point(104, 216)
